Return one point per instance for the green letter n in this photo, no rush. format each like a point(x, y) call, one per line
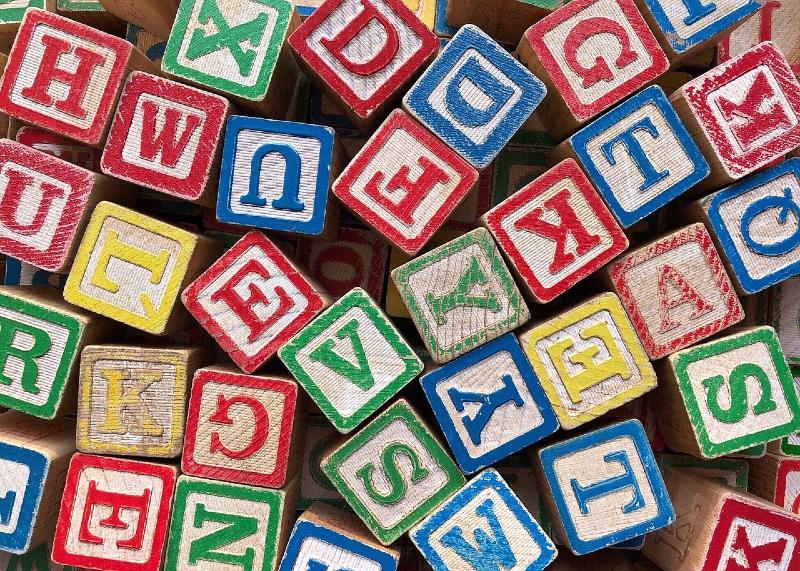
point(236, 527)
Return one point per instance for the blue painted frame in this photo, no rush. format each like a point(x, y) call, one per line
point(505, 343)
point(491, 480)
point(19, 541)
point(237, 123)
point(440, 26)
point(471, 37)
point(40, 277)
point(653, 95)
point(748, 283)
point(635, 431)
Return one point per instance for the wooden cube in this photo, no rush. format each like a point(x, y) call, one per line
point(777, 480)
point(556, 231)
point(156, 16)
point(727, 395)
point(22, 273)
point(148, 43)
point(131, 268)
point(37, 557)
point(92, 13)
point(675, 290)
point(58, 146)
point(389, 511)
point(519, 164)
point(314, 484)
point(784, 300)
point(505, 21)
point(97, 527)
point(460, 295)
point(12, 14)
point(733, 472)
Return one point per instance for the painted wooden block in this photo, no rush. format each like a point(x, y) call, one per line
point(784, 302)
point(721, 528)
point(236, 48)
point(252, 300)
point(489, 404)
point(92, 13)
point(442, 29)
point(605, 487)
point(460, 295)
point(591, 54)
point(589, 360)
point(479, 120)
point(166, 136)
point(314, 484)
point(357, 258)
point(146, 42)
point(220, 525)
point(12, 13)
point(519, 163)
point(114, 514)
point(517, 470)
point(45, 205)
point(393, 47)
point(351, 359)
point(240, 428)
point(556, 231)
point(639, 155)
point(33, 458)
point(744, 113)
point(75, 100)
point(65, 149)
point(131, 268)
point(328, 538)
point(676, 291)
point(788, 445)
point(726, 395)
point(405, 182)
point(476, 204)
point(733, 472)
point(132, 400)
point(425, 10)
point(42, 337)
point(157, 16)
point(411, 494)
point(777, 480)
point(37, 558)
point(505, 21)
point(23, 273)
point(276, 174)
point(485, 507)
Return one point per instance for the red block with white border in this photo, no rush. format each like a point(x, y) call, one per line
point(744, 113)
point(114, 514)
point(167, 136)
point(66, 77)
point(243, 428)
point(253, 299)
point(591, 54)
point(676, 291)
point(52, 144)
point(556, 231)
point(405, 182)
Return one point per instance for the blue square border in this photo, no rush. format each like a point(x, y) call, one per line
point(19, 541)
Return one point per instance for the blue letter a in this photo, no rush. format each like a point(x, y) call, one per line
point(491, 554)
point(488, 404)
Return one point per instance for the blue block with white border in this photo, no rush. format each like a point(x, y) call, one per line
point(489, 403)
point(640, 156)
point(483, 526)
point(22, 478)
point(440, 26)
point(606, 487)
point(474, 96)
point(275, 175)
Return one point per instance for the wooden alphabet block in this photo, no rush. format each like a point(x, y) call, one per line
point(132, 400)
point(33, 459)
point(733, 472)
point(146, 42)
point(252, 300)
point(788, 445)
point(784, 299)
point(37, 558)
point(489, 404)
point(726, 395)
point(351, 360)
point(639, 155)
point(460, 295)
point(75, 100)
point(97, 527)
point(605, 487)
point(777, 480)
point(167, 137)
point(92, 13)
point(589, 360)
point(404, 206)
point(425, 10)
point(131, 268)
point(328, 538)
point(505, 21)
point(255, 525)
point(156, 16)
point(314, 484)
point(721, 528)
point(42, 337)
point(393, 47)
point(744, 113)
point(45, 205)
point(276, 175)
point(390, 511)
point(65, 149)
point(519, 164)
point(11, 14)
point(591, 54)
point(476, 204)
point(479, 120)
point(245, 55)
point(676, 291)
point(556, 231)
point(243, 428)
point(485, 504)
point(22, 273)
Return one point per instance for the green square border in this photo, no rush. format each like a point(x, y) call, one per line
point(257, 92)
point(399, 410)
point(189, 484)
point(61, 376)
point(80, 5)
point(765, 335)
point(356, 298)
point(740, 467)
point(15, 15)
point(786, 449)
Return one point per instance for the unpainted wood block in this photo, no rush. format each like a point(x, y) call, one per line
point(777, 480)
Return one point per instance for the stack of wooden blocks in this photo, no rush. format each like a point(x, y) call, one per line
point(395, 285)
